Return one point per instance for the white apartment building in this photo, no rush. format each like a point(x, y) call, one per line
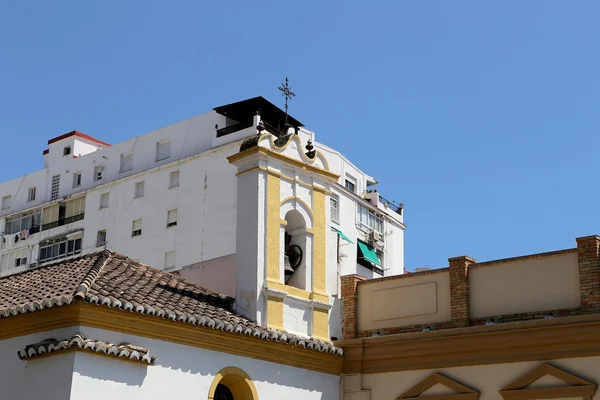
point(170, 199)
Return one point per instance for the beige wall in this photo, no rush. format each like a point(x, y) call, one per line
point(409, 300)
point(486, 379)
point(524, 285)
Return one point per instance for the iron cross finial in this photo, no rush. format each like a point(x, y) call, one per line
point(286, 91)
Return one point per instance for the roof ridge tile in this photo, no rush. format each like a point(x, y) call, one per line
point(92, 274)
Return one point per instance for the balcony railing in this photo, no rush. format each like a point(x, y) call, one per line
point(233, 128)
point(63, 221)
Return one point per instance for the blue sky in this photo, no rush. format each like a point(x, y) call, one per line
point(482, 117)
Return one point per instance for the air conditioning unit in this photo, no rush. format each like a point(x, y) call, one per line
point(375, 237)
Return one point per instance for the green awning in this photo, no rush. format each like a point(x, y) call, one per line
point(341, 234)
point(369, 253)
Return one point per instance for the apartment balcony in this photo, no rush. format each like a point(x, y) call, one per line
point(63, 221)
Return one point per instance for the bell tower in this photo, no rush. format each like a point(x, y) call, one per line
point(281, 268)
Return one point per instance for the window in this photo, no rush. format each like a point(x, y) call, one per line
point(170, 259)
point(15, 259)
point(351, 186)
point(137, 228)
point(22, 222)
point(55, 187)
point(76, 179)
point(6, 202)
point(101, 238)
point(74, 211)
point(163, 150)
point(126, 162)
point(55, 249)
point(139, 189)
point(368, 257)
point(66, 150)
point(173, 179)
point(20, 261)
point(98, 173)
point(103, 200)
point(172, 218)
point(367, 220)
point(31, 194)
point(335, 211)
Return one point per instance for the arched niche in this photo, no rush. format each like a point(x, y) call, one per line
point(232, 383)
point(296, 233)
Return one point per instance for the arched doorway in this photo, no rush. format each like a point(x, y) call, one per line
point(232, 383)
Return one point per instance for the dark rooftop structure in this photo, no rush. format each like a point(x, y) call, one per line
point(243, 113)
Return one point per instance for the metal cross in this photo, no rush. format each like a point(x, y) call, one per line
point(286, 91)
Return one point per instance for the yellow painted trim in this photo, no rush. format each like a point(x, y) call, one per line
point(275, 312)
point(319, 243)
point(299, 200)
point(310, 230)
point(292, 161)
point(273, 228)
point(291, 290)
point(319, 296)
point(321, 323)
point(272, 139)
point(256, 167)
point(241, 385)
point(273, 173)
point(113, 319)
point(283, 222)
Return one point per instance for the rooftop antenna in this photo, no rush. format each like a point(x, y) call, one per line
point(286, 91)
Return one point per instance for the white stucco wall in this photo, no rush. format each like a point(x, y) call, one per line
point(180, 372)
point(14, 379)
point(48, 378)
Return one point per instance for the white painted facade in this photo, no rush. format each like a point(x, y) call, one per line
point(180, 372)
point(112, 212)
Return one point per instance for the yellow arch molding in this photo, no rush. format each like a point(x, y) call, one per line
point(272, 139)
point(237, 381)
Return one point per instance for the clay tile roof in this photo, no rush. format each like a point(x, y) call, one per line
point(78, 341)
point(113, 280)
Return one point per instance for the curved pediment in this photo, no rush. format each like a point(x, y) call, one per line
point(291, 146)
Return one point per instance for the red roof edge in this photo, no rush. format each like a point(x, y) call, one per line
point(46, 151)
point(78, 134)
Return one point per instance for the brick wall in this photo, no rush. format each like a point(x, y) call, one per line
point(459, 289)
point(588, 255)
point(350, 305)
point(588, 250)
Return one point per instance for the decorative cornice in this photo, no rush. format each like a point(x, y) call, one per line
point(511, 342)
point(80, 342)
point(286, 159)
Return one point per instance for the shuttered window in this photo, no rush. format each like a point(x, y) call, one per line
point(101, 238)
point(163, 150)
point(170, 259)
point(103, 200)
point(137, 228)
point(173, 179)
point(172, 218)
point(75, 207)
point(139, 189)
point(50, 214)
point(126, 162)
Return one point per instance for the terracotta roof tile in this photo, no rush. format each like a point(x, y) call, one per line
point(114, 280)
point(124, 350)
